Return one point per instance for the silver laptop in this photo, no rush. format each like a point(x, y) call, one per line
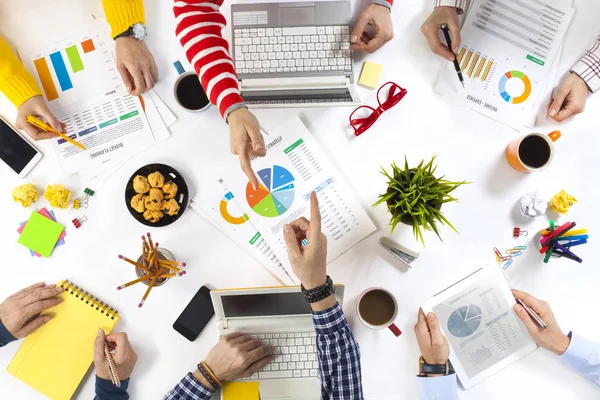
point(281, 317)
point(294, 54)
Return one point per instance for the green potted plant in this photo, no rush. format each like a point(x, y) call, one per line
point(415, 196)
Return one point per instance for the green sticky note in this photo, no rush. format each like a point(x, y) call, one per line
point(40, 234)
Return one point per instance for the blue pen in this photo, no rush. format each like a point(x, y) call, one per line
point(576, 237)
point(575, 243)
point(569, 252)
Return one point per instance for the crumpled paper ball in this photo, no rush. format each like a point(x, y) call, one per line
point(561, 202)
point(532, 205)
point(58, 196)
point(25, 194)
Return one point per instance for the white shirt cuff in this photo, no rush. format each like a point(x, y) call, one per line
point(437, 387)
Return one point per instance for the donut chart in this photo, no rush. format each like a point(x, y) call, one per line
point(275, 195)
point(526, 90)
point(225, 213)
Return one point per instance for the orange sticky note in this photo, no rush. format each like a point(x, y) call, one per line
point(241, 391)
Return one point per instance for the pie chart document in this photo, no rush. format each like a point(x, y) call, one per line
point(294, 167)
point(477, 318)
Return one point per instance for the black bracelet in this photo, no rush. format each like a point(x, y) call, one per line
point(207, 377)
point(320, 292)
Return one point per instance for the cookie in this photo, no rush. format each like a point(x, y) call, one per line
point(170, 207)
point(156, 179)
point(137, 202)
point(153, 215)
point(26, 194)
point(170, 190)
point(154, 200)
point(140, 184)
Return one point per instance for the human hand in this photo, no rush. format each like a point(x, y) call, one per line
point(124, 355)
point(380, 19)
point(570, 98)
point(37, 107)
point(308, 262)
point(433, 24)
point(19, 312)
point(551, 338)
point(136, 65)
point(434, 346)
point(238, 356)
point(246, 140)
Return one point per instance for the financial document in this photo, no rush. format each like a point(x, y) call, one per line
point(507, 50)
point(80, 81)
point(294, 167)
point(477, 318)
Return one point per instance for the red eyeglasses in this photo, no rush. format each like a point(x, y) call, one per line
point(364, 117)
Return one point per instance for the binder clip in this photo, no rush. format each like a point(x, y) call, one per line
point(519, 232)
point(78, 221)
point(83, 201)
point(403, 254)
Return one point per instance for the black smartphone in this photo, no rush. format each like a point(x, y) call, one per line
point(196, 315)
point(15, 151)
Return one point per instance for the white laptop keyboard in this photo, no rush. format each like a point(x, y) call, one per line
point(295, 356)
point(292, 49)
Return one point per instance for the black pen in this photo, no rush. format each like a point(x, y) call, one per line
point(456, 65)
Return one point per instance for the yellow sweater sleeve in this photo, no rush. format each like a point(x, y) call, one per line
point(15, 82)
point(121, 14)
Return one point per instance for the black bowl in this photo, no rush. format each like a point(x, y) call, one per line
point(170, 174)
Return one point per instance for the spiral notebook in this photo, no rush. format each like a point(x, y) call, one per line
point(55, 358)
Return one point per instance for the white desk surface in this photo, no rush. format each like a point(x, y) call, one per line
point(468, 146)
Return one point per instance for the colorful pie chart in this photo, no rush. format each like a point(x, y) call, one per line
point(225, 213)
point(275, 194)
point(515, 98)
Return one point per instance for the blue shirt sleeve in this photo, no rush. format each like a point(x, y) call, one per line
point(189, 389)
point(583, 355)
point(339, 356)
point(437, 387)
point(5, 336)
point(105, 390)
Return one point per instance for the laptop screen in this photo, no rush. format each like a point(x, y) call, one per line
point(261, 305)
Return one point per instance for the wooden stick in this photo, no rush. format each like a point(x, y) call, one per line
point(143, 278)
point(135, 264)
point(150, 288)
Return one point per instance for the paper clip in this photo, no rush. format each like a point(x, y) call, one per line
point(518, 232)
point(517, 254)
point(498, 254)
point(83, 200)
point(78, 221)
point(520, 247)
point(507, 264)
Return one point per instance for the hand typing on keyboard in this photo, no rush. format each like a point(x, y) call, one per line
point(379, 19)
point(237, 356)
point(246, 140)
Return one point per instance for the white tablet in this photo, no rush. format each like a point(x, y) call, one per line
point(476, 316)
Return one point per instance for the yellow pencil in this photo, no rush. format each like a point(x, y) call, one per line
point(47, 128)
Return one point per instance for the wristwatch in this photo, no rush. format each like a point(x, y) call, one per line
point(434, 369)
point(137, 30)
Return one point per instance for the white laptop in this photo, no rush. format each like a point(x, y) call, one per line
point(294, 54)
point(281, 317)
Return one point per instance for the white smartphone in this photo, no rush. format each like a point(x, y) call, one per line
point(15, 151)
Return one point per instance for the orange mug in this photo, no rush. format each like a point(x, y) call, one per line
point(532, 152)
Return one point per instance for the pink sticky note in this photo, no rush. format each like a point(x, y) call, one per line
point(46, 214)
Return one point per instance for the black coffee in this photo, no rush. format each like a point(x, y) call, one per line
point(534, 151)
point(190, 93)
point(377, 307)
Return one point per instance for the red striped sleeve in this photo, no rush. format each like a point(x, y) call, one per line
point(199, 30)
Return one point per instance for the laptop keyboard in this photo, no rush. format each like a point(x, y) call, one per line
point(292, 49)
point(295, 356)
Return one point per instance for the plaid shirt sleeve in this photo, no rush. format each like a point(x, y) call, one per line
point(458, 4)
point(189, 389)
point(339, 356)
point(588, 67)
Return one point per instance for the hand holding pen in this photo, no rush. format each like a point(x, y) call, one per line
point(551, 338)
point(124, 357)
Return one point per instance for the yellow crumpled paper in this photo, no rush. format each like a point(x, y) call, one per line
point(57, 195)
point(25, 194)
point(561, 202)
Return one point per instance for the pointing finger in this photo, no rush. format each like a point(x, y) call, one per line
point(315, 215)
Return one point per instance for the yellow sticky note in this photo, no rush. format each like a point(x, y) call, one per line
point(241, 391)
point(369, 76)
